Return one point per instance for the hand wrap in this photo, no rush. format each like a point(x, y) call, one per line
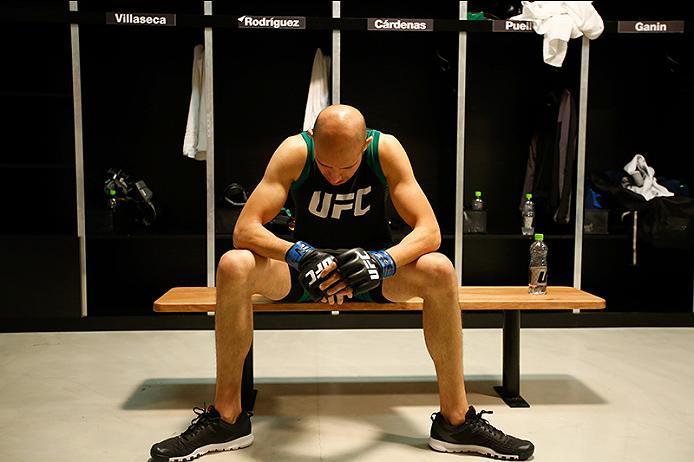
point(364, 271)
point(310, 264)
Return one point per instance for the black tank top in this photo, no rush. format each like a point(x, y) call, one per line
point(351, 214)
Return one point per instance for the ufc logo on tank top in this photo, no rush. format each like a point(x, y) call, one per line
point(324, 204)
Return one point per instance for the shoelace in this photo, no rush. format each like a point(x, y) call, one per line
point(198, 422)
point(480, 421)
point(485, 425)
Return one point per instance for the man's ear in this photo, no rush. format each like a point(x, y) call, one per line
point(368, 142)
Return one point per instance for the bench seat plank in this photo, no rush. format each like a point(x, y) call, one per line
point(202, 299)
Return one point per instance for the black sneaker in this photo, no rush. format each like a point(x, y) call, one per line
point(476, 435)
point(207, 433)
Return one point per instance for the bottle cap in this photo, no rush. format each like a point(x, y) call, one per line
point(539, 237)
point(478, 193)
point(528, 196)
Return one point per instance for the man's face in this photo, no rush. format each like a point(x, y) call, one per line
point(338, 163)
point(337, 169)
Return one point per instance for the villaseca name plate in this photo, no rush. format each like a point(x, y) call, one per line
point(141, 19)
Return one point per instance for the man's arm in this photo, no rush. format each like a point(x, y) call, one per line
point(410, 202)
point(267, 200)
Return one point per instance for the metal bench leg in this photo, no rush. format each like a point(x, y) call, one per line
point(248, 393)
point(510, 390)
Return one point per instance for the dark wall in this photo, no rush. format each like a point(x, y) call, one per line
point(38, 244)
point(37, 167)
point(642, 88)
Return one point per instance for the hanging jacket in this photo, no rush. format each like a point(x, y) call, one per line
point(549, 173)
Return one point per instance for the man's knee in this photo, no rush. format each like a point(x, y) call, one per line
point(236, 265)
point(437, 271)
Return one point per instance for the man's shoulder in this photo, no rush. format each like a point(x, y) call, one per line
point(289, 158)
point(393, 158)
point(390, 150)
point(295, 145)
point(386, 139)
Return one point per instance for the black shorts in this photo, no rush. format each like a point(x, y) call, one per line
point(297, 293)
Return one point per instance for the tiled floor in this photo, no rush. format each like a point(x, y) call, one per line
point(596, 395)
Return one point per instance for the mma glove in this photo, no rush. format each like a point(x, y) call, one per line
point(364, 271)
point(310, 263)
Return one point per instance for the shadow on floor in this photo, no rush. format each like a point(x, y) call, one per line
point(369, 408)
point(185, 393)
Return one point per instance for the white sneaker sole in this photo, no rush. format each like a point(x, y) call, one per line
point(443, 446)
point(233, 445)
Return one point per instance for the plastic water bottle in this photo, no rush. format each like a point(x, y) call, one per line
point(528, 215)
point(537, 272)
point(477, 202)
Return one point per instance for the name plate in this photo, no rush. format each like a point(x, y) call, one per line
point(651, 27)
point(511, 26)
point(140, 19)
point(398, 24)
point(272, 22)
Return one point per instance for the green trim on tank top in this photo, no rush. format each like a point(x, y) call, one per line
point(309, 161)
point(372, 159)
point(372, 156)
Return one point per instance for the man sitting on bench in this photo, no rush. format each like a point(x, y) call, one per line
point(339, 175)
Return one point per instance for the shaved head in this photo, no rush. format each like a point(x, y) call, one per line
point(339, 136)
point(342, 121)
point(340, 128)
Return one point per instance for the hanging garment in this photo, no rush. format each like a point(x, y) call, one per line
point(195, 139)
point(643, 178)
point(560, 21)
point(318, 90)
point(550, 168)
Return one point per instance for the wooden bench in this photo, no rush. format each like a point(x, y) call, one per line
point(510, 300)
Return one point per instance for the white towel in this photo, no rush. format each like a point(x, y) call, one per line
point(560, 21)
point(318, 90)
point(195, 139)
point(644, 177)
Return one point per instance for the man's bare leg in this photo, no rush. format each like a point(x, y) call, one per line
point(432, 277)
point(240, 274)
